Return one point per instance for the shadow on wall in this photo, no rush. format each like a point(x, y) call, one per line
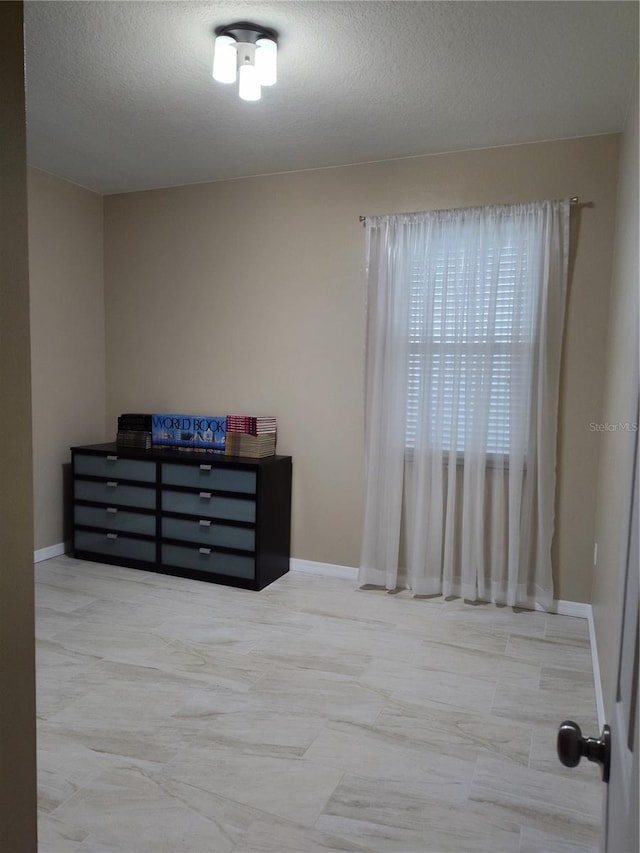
point(67, 501)
point(574, 238)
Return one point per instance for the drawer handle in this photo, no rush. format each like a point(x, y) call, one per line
point(204, 523)
point(112, 535)
point(205, 496)
point(112, 484)
point(112, 458)
point(206, 551)
point(112, 509)
point(205, 467)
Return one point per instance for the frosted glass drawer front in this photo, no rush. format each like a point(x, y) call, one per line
point(207, 477)
point(206, 505)
point(194, 558)
point(112, 492)
point(115, 545)
point(115, 519)
point(209, 533)
point(115, 468)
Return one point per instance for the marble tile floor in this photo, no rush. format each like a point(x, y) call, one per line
point(182, 717)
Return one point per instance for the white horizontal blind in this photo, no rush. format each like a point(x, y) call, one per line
point(472, 322)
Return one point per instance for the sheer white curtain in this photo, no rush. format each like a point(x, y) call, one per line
point(464, 331)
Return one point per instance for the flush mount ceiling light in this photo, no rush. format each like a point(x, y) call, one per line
point(246, 52)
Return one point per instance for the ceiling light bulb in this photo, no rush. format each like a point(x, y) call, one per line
point(249, 83)
point(225, 59)
point(267, 61)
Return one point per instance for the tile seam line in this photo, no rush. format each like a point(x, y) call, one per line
point(535, 800)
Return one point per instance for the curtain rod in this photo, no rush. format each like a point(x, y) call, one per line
point(575, 199)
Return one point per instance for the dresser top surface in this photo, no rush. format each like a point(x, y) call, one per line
point(159, 453)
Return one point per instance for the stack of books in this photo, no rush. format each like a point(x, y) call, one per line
point(250, 435)
point(189, 432)
point(251, 425)
point(134, 430)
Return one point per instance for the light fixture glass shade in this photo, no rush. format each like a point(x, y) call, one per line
point(267, 61)
point(249, 83)
point(225, 59)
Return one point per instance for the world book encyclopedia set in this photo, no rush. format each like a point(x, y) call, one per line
point(253, 436)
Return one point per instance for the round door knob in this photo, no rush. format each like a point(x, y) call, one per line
point(572, 746)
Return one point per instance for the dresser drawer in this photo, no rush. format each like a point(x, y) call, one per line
point(115, 545)
point(112, 493)
point(115, 468)
point(206, 532)
point(205, 505)
point(209, 478)
point(204, 560)
point(111, 518)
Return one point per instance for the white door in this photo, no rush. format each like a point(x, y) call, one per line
point(621, 807)
point(616, 750)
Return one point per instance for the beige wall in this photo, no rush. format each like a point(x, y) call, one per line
point(249, 296)
point(17, 685)
point(620, 399)
point(67, 334)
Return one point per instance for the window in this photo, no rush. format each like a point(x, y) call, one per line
point(465, 312)
point(472, 332)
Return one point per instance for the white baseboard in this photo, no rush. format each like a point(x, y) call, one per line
point(327, 569)
point(596, 670)
point(569, 608)
point(574, 608)
point(562, 607)
point(52, 551)
point(585, 611)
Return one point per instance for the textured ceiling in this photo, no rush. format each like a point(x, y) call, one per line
point(120, 95)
